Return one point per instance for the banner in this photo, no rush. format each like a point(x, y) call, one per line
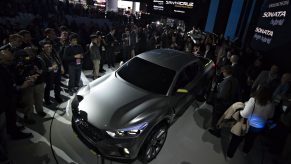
point(274, 24)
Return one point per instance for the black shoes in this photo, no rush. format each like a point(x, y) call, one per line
point(28, 120)
point(215, 132)
point(20, 127)
point(18, 135)
point(102, 70)
point(59, 100)
point(41, 114)
point(48, 102)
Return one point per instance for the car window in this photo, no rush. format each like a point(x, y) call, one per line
point(186, 76)
point(147, 75)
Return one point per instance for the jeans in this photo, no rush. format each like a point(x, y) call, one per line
point(126, 53)
point(74, 75)
point(110, 56)
point(52, 82)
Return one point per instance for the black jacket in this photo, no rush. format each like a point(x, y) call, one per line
point(7, 88)
point(228, 90)
point(71, 51)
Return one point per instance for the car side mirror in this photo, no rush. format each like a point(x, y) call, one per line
point(182, 91)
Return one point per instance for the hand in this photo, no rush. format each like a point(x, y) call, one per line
point(27, 83)
point(39, 72)
point(54, 67)
point(62, 70)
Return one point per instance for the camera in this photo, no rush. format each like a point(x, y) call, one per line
point(25, 65)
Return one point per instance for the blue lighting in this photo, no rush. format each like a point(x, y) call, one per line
point(211, 15)
point(233, 19)
point(256, 122)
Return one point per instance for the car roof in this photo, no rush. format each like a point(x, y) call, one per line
point(169, 58)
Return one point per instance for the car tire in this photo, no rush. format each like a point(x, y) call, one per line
point(154, 143)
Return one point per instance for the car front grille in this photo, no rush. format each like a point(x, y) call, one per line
point(89, 132)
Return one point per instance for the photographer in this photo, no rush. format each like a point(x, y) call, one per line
point(8, 96)
point(33, 96)
point(28, 67)
point(52, 71)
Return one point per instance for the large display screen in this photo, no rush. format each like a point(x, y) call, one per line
point(274, 25)
point(173, 8)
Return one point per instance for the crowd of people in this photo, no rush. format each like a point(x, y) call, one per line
point(35, 59)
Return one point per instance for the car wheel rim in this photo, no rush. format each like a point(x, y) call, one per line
point(156, 143)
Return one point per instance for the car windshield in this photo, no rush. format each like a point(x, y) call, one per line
point(147, 75)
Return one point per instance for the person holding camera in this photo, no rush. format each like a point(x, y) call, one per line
point(33, 96)
point(28, 66)
point(8, 97)
point(52, 72)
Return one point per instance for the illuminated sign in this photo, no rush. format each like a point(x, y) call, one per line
point(170, 7)
point(273, 28)
point(181, 4)
point(274, 14)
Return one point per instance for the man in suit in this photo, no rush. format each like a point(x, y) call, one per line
point(52, 71)
point(270, 78)
point(227, 94)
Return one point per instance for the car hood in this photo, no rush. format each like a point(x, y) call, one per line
point(113, 103)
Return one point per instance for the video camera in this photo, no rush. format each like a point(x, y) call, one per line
point(25, 65)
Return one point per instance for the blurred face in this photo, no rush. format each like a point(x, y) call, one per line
point(47, 48)
point(52, 35)
point(30, 52)
point(17, 42)
point(74, 41)
point(64, 35)
point(27, 38)
point(225, 73)
point(274, 69)
point(258, 63)
point(99, 38)
point(286, 78)
point(95, 40)
point(6, 57)
point(113, 32)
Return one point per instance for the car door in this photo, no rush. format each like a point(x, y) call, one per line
point(181, 101)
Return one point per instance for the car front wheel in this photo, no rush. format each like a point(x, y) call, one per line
point(154, 143)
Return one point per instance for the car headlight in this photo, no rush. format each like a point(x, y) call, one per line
point(133, 131)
